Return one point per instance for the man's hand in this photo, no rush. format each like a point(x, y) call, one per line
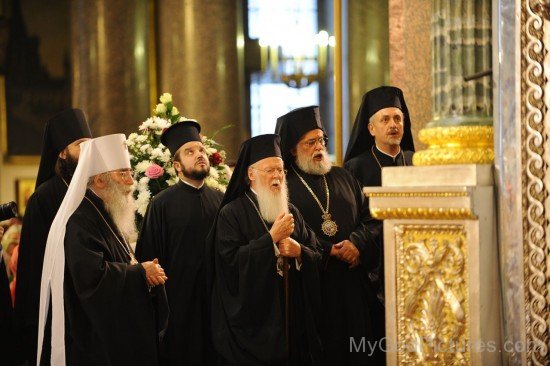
point(289, 247)
point(282, 227)
point(335, 250)
point(355, 263)
point(348, 252)
point(154, 273)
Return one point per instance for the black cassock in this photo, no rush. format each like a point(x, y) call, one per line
point(8, 342)
point(365, 168)
point(174, 231)
point(108, 309)
point(39, 214)
point(346, 293)
point(248, 318)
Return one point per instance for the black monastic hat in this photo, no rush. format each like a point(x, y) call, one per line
point(179, 134)
point(373, 101)
point(295, 124)
point(252, 151)
point(60, 131)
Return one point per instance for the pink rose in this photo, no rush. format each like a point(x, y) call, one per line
point(154, 171)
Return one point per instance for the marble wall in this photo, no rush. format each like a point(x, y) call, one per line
point(411, 58)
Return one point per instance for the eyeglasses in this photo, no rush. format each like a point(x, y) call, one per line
point(124, 174)
point(313, 142)
point(272, 171)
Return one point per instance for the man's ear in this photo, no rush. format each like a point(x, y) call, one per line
point(293, 151)
point(177, 166)
point(371, 129)
point(251, 176)
point(100, 181)
point(63, 154)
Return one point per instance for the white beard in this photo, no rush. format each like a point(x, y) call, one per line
point(306, 163)
point(272, 203)
point(119, 202)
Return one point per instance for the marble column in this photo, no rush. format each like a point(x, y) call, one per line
point(201, 59)
point(368, 49)
point(411, 58)
point(461, 130)
point(110, 55)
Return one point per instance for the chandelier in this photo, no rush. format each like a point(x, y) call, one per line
point(296, 60)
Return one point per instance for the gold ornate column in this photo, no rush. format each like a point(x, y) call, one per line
point(110, 54)
point(201, 49)
point(461, 131)
point(442, 283)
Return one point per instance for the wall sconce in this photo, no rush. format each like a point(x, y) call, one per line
point(296, 61)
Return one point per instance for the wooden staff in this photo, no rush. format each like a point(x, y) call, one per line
point(285, 279)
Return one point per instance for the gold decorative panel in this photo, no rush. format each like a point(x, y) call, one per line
point(456, 145)
point(427, 213)
point(432, 295)
point(535, 161)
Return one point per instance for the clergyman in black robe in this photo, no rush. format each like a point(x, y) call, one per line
point(332, 204)
point(174, 230)
point(108, 307)
point(62, 136)
point(381, 137)
point(101, 307)
point(255, 229)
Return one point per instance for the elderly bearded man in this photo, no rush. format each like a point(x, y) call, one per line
point(333, 205)
point(93, 273)
point(256, 227)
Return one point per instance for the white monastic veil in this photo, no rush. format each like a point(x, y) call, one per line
point(97, 156)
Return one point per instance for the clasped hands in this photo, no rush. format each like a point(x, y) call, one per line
point(280, 233)
point(154, 273)
point(347, 252)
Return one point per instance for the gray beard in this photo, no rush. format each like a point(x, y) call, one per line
point(120, 204)
point(306, 164)
point(272, 204)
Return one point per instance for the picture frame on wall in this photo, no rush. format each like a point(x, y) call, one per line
point(24, 188)
point(35, 74)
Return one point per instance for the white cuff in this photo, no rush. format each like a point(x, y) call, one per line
point(276, 248)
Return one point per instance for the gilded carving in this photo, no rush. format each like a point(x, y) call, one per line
point(416, 194)
point(432, 295)
point(456, 145)
point(534, 133)
point(440, 213)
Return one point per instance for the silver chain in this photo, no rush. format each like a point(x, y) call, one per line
point(257, 211)
point(279, 264)
point(124, 245)
point(313, 194)
point(380, 165)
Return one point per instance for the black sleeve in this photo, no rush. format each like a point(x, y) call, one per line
point(362, 237)
point(239, 256)
point(246, 300)
point(31, 255)
point(311, 248)
point(103, 288)
point(150, 242)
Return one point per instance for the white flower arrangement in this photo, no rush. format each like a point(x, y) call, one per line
point(152, 161)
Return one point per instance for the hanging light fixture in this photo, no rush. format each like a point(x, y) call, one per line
point(296, 60)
